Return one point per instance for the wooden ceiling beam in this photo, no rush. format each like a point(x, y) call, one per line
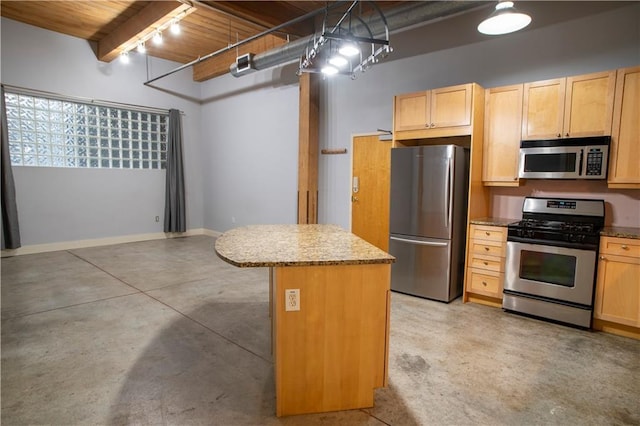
point(219, 64)
point(139, 27)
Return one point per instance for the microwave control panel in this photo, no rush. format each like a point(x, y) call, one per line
point(595, 157)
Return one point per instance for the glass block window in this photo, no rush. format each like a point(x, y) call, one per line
point(56, 133)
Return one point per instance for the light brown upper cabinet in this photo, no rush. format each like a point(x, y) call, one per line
point(569, 107)
point(624, 155)
point(441, 112)
point(502, 125)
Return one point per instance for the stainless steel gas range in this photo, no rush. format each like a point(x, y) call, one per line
point(551, 261)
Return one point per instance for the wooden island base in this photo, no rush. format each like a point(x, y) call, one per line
point(332, 354)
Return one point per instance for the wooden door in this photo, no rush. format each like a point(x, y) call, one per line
point(370, 197)
point(411, 111)
point(625, 142)
point(451, 106)
point(502, 126)
point(589, 104)
point(543, 109)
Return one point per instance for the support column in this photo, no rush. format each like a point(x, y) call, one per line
point(308, 149)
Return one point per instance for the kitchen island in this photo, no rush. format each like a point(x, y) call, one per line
point(329, 306)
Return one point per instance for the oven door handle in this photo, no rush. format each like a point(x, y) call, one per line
point(579, 246)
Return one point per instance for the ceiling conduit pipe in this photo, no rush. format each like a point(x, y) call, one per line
point(398, 18)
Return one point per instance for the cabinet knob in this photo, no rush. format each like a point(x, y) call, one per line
point(486, 263)
point(487, 233)
point(567, 135)
point(603, 258)
point(433, 125)
point(486, 249)
point(559, 135)
point(484, 283)
point(625, 247)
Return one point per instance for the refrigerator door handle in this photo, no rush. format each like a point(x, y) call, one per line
point(418, 242)
point(449, 199)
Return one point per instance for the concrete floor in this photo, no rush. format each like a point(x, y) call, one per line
point(164, 332)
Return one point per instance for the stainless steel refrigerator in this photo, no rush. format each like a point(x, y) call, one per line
point(429, 187)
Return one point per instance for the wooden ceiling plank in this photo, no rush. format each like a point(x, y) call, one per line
point(219, 65)
point(138, 26)
point(276, 13)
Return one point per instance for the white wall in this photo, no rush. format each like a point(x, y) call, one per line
point(250, 148)
point(58, 204)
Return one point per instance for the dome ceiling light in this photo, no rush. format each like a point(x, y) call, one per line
point(504, 20)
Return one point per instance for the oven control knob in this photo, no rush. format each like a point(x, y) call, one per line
point(576, 238)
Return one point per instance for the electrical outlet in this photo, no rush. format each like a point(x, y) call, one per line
point(292, 299)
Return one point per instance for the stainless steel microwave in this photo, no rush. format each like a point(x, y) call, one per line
point(570, 158)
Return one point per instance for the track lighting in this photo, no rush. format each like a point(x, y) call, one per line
point(357, 48)
point(175, 27)
point(349, 48)
point(504, 20)
point(338, 61)
point(154, 33)
point(329, 69)
point(157, 37)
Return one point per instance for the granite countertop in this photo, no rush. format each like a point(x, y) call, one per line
point(493, 221)
point(296, 245)
point(620, 232)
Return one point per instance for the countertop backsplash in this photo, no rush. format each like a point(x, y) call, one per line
point(622, 206)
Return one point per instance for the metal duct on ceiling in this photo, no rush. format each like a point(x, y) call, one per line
point(398, 18)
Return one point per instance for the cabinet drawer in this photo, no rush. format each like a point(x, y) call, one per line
point(484, 282)
point(491, 248)
point(490, 233)
point(620, 246)
point(489, 263)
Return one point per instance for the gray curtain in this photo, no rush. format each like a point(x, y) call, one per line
point(10, 228)
point(174, 207)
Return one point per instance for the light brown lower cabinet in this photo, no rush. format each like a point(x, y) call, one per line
point(485, 264)
point(617, 304)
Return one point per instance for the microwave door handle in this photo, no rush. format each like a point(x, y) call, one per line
point(581, 162)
